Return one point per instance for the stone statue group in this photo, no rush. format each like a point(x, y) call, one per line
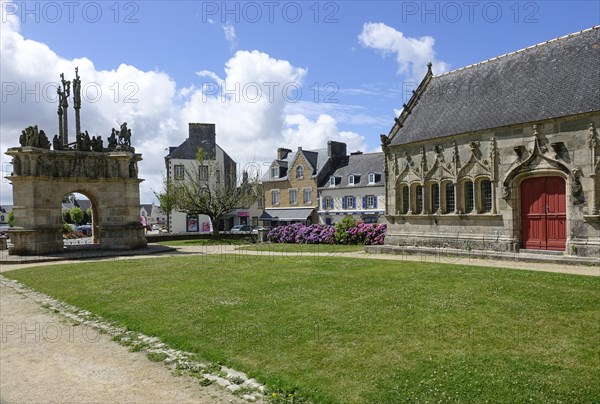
point(118, 140)
point(32, 136)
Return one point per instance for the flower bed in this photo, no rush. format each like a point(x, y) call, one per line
point(346, 233)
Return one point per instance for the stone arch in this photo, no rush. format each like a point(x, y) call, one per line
point(104, 177)
point(516, 197)
point(85, 191)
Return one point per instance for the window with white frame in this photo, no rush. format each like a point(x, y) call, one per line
point(203, 172)
point(371, 202)
point(293, 196)
point(371, 178)
point(351, 179)
point(274, 172)
point(299, 172)
point(275, 197)
point(307, 195)
point(348, 202)
point(327, 203)
point(332, 181)
point(178, 172)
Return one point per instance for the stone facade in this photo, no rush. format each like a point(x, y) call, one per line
point(42, 177)
point(291, 183)
point(504, 158)
point(355, 188)
point(459, 165)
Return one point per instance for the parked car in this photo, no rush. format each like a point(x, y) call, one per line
point(261, 228)
point(156, 226)
point(3, 230)
point(241, 228)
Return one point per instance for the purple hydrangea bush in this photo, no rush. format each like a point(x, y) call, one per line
point(361, 233)
point(302, 234)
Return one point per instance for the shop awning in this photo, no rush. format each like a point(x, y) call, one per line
point(284, 215)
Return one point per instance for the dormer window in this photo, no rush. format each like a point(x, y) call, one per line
point(372, 178)
point(274, 172)
point(332, 181)
point(351, 179)
point(300, 172)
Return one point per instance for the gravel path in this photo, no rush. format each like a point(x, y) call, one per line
point(46, 359)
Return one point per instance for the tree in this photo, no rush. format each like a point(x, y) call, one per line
point(66, 216)
point(11, 219)
point(209, 191)
point(69, 198)
point(76, 214)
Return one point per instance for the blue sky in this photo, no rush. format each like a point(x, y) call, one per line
point(354, 62)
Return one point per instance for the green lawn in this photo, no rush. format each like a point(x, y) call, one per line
point(205, 242)
point(345, 330)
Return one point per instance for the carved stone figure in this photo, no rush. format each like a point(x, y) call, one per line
point(23, 139)
point(16, 166)
point(133, 171)
point(505, 192)
point(26, 166)
point(56, 143)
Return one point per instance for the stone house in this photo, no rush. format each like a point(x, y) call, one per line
point(216, 166)
point(501, 155)
point(355, 188)
point(290, 185)
point(153, 214)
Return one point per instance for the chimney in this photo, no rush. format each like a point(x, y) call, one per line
point(204, 135)
point(282, 153)
point(336, 149)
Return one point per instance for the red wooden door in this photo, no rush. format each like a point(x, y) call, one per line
point(543, 213)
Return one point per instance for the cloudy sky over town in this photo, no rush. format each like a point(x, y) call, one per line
point(268, 74)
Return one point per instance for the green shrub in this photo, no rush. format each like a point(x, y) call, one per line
point(342, 235)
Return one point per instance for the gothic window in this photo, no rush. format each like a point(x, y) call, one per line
point(405, 200)
point(418, 199)
point(468, 193)
point(486, 196)
point(435, 198)
point(450, 198)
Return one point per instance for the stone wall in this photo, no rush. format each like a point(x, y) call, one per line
point(568, 148)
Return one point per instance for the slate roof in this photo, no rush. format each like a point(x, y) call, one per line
point(316, 158)
point(200, 135)
point(557, 78)
point(358, 164)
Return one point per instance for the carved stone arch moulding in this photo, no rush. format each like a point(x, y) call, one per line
point(540, 159)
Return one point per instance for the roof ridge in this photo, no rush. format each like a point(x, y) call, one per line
point(595, 27)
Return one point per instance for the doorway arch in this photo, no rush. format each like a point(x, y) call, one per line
point(41, 178)
point(544, 213)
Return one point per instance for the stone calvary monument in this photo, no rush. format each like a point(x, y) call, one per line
point(106, 174)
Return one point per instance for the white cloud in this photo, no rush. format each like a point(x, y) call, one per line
point(230, 35)
point(412, 54)
point(310, 134)
point(249, 103)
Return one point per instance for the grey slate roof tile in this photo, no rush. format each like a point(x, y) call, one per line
point(358, 164)
point(557, 78)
